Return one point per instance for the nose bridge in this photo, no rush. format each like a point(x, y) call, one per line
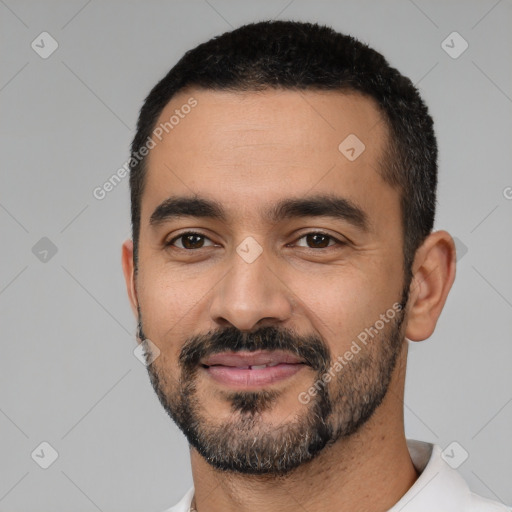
point(250, 291)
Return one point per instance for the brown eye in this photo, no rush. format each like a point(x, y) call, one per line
point(189, 241)
point(319, 240)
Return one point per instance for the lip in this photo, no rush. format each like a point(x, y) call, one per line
point(235, 369)
point(243, 359)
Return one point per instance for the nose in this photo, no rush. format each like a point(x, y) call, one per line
point(250, 296)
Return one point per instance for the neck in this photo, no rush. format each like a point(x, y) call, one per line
point(366, 472)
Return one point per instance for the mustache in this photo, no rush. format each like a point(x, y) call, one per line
point(310, 348)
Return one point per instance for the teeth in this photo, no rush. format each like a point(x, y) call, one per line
point(258, 366)
point(254, 366)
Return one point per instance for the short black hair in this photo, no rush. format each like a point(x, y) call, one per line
point(307, 56)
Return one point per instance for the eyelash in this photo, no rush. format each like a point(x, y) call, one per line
point(338, 242)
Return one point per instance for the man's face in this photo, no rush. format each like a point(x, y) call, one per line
point(296, 286)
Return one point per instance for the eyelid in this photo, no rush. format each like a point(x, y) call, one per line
point(338, 241)
point(170, 243)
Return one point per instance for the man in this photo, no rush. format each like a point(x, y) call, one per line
point(283, 185)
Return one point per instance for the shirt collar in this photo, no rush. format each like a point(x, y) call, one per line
point(439, 487)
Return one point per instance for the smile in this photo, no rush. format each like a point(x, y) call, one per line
point(252, 369)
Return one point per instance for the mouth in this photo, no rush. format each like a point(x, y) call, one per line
point(252, 369)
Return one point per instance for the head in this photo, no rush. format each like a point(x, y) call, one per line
point(283, 186)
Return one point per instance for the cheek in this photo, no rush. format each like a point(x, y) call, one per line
point(341, 305)
point(335, 305)
point(170, 303)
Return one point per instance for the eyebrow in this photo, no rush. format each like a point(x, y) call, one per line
point(339, 208)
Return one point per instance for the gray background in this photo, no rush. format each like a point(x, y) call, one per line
point(68, 375)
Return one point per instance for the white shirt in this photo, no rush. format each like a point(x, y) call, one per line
point(439, 488)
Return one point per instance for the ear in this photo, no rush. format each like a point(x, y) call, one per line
point(129, 275)
point(433, 276)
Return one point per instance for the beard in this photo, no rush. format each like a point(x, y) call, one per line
point(246, 444)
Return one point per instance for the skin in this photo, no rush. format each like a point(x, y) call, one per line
point(249, 150)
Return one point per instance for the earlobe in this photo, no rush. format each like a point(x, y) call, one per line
point(433, 276)
point(129, 276)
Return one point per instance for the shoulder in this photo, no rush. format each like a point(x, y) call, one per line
point(480, 504)
point(440, 486)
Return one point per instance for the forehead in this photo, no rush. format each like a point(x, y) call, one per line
point(230, 122)
point(250, 148)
